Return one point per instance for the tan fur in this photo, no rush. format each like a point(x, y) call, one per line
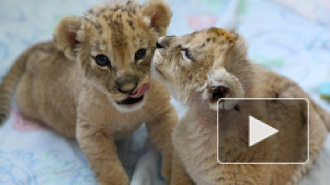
point(219, 59)
point(61, 84)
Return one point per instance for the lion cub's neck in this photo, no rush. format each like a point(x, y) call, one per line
point(233, 129)
point(232, 123)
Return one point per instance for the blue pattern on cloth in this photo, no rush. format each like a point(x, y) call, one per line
point(324, 90)
point(278, 38)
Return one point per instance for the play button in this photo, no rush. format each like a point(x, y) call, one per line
point(259, 131)
point(255, 129)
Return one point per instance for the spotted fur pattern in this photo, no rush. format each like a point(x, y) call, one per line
point(61, 84)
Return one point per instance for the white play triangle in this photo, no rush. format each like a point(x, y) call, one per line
point(259, 131)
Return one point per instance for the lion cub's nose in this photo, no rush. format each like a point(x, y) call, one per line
point(162, 42)
point(158, 46)
point(127, 84)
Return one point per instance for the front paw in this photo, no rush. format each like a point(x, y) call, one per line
point(166, 166)
point(114, 176)
point(117, 180)
point(182, 180)
point(179, 175)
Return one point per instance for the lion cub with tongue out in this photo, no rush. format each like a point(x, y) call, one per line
point(93, 84)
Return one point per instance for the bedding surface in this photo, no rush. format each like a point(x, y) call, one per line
point(278, 37)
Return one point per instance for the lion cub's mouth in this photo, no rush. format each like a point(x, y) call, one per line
point(136, 96)
point(130, 100)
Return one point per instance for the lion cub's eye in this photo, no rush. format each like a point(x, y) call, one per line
point(102, 60)
point(187, 55)
point(140, 54)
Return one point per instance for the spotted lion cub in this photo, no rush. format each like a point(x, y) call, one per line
point(92, 83)
point(205, 66)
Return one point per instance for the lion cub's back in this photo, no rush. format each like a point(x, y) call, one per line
point(46, 87)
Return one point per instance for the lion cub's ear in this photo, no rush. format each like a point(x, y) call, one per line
point(159, 14)
point(221, 84)
point(69, 36)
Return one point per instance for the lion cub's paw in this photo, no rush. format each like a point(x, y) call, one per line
point(123, 180)
point(179, 175)
point(166, 166)
point(114, 178)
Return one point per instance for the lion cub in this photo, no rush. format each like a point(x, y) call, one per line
point(92, 83)
point(205, 66)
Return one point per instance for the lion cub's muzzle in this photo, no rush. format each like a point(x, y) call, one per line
point(158, 59)
point(162, 42)
point(129, 85)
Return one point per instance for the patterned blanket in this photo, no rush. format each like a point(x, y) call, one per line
point(278, 38)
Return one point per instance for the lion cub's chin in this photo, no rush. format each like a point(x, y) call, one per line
point(129, 104)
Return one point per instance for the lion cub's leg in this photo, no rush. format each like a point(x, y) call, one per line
point(317, 136)
point(160, 127)
point(179, 175)
point(286, 88)
point(38, 96)
point(100, 150)
point(160, 132)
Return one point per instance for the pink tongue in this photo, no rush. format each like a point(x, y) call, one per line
point(143, 89)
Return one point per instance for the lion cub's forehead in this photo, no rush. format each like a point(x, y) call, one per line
point(223, 35)
point(117, 12)
point(118, 22)
point(213, 36)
